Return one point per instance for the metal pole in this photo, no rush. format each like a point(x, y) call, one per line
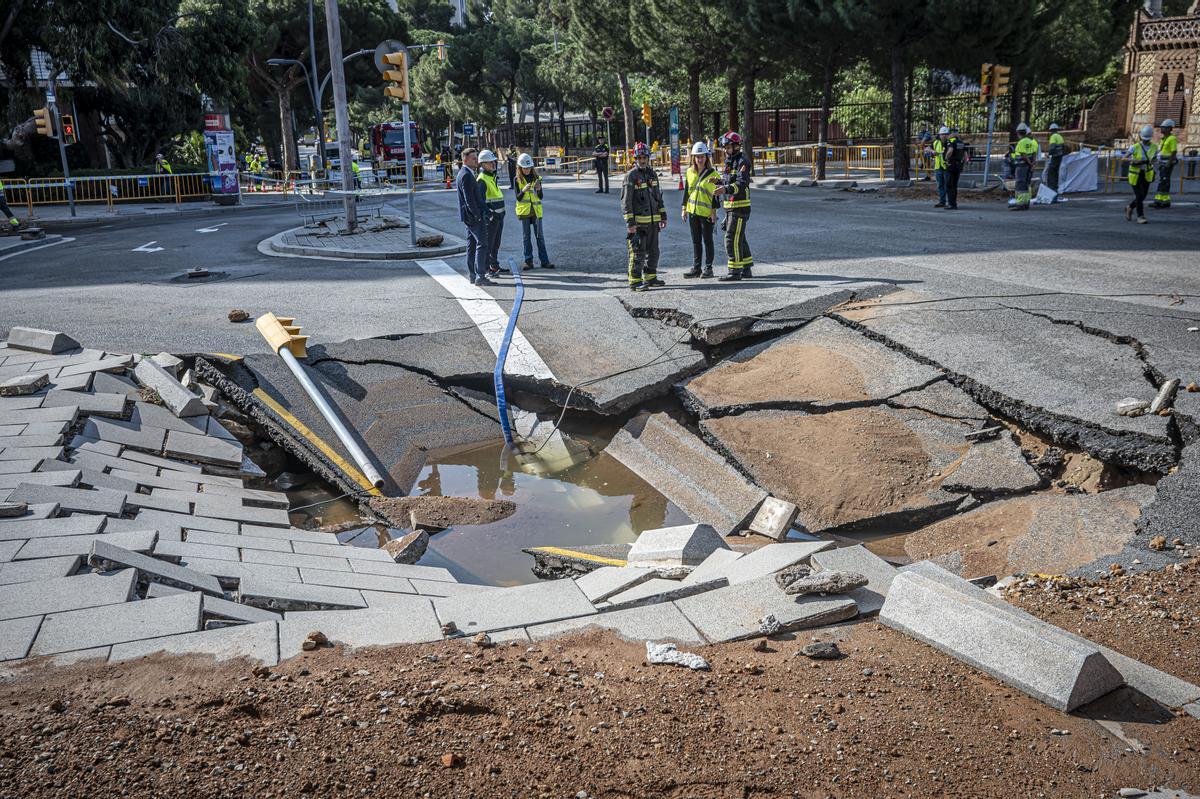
point(52, 101)
point(987, 159)
point(408, 168)
point(312, 53)
point(341, 112)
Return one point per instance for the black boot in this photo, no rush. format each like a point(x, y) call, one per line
point(733, 275)
point(747, 271)
point(655, 282)
point(707, 271)
point(693, 272)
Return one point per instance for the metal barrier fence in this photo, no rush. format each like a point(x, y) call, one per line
point(110, 189)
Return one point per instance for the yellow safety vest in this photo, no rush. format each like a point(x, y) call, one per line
point(1026, 145)
point(529, 204)
point(700, 189)
point(166, 167)
point(1167, 147)
point(1141, 152)
point(494, 197)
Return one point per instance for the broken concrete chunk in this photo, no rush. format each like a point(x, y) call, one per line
point(50, 342)
point(606, 581)
point(178, 399)
point(106, 556)
point(13, 509)
point(822, 650)
point(24, 384)
point(774, 518)
point(1132, 406)
point(1166, 395)
point(686, 545)
point(409, 548)
point(826, 582)
point(993, 467)
point(168, 362)
point(735, 613)
point(669, 654)
point(859, 559)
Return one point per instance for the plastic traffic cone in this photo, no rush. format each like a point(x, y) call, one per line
point(680, 186)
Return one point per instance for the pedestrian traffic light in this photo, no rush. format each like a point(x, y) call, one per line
point(399, 77)
point(1000, 79)
point(985, 84)
point(68, 129)
point(45, 124)
point(646, 113)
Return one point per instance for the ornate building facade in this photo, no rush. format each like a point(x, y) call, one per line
point(1161, 62)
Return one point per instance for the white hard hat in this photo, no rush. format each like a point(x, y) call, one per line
point(943, 129)
point(525, 160)
point(1053, 126)
point(1022, 127)
point(1167, 123)
point(487, 155)
point(1147, 132)
point(699, 148)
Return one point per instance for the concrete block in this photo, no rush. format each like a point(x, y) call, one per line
point(768, 560)
point(113, 363)
point(154, 518)
point(85, 444)
point(170, 364)
point(46, 428)
point(249, 496)
point(521, 606)
point(238, 541)
point(230, 572)
point(342, 551)
point(29, 440)
point(221, 608)
point(49, 465)
point(20, 466)
point(23, 384)
point(948, 613)
point(125, 433)
point(10, 405)
point(106, 556)
point(16, 637)
point(66, 593)
point(370, 582)
point(774, 518)
point(163, 463)
point(34, 512)
point(257, 642)
point(275, 595)
point(435, 573)
point(72, 500)
point(93, 478)
point(148, 415)
point(57, 547)
point(879, 574)
point(165, 532)
point(177, 550)
point(147, 477)
point(178, 399)
point(409, 622)
point(81, 382)
point(61, 479)
point(204, 449)
point(35, 414)
point(288, 533)
point(109, 383)
point(600, 584)
point(32, 339)
point(98, 404)
point(158, 499)
point(219, 507)
point(35, 571)
point(9, 549)
point(99, 461)
point(734, 613)
point(712, 567)
point(686, 545)
point(297, 561)
point(659, 590)
point(115, 624)
point(30, 453)
point(440, 588)
point(651, 623)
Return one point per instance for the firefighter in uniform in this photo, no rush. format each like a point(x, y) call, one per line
point(645, 216)
point(1168, 148)
point(1142, 156)
point(493, 198)
point(735, 188)
point(1025, 153)
point(1056, 151)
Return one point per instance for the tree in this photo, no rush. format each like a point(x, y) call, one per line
point(603, 29)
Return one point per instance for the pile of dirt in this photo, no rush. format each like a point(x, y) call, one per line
point(442, 511)
point(581, 717)
point(788, 368)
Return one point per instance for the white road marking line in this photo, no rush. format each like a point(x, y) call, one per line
point(147, 248)
point(212, 229)
point(32, 249)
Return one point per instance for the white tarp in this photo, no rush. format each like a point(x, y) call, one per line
point(1077, 172)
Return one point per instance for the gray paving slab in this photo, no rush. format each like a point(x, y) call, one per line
point(112, 363)
point(412, 621)
point(434, 573)
point(34, 339)
point(385, 599)
point(288, 533)
point(155, 517)
point(342, 551)
point(659, 590)
point(767, 560)
point(298, 561)
point(125, 433)
point(72, 500)
point(220, 507)
point(158, 499)
point(605, 581)
point(93, 478)
point(957, 618)
point(371, 582)
point(57, 362)
point(30, 440)
point(172, 464)
point(662, 622)
point(1166, 689)
point(137, 540)
point(30, 453)
point(166, 532)
point(177, 550)
point(715, 565)
point(16, 637)
point(239, 541)
point(50, 465)
point(687, 472)
point(98, 404)
point(145, 413)
point(29, 382)
point(178, 399)
point(735, 612)
point(88, 444)
point(520, 606)
point(33, 512)
point(441, 588)
point(115, 624)
point(61, 479)
point(249, 496)
point(859, 559)
point(20, 466)
point(683, 545)
point(110, 383)
point(10, 405)
point(203, 448)
point(257, 642)
point(149, 478)
point(220, 608)
point(283, 596)
point(230, 572)
point(100, 461)
point(81, 655)
point(106, 556)
point(81, 382)
point(67, 593)
point(32, 571)
point(46, 428)
point(9, 549)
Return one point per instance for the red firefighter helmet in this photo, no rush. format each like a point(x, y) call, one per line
point(732, 137)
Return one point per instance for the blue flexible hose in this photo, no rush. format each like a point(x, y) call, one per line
point(502, 355)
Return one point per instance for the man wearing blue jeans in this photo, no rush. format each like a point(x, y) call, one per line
point(473, 213)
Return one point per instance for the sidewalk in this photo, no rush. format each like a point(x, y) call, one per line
point(58, 216)
point(380, 239)
point(11, 245)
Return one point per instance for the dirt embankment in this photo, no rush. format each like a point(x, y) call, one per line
point(442, 511)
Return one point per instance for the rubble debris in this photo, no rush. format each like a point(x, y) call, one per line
point(826, 582)
point(13, 509)
point(667, 653)
point(483, 641)
point(685, 545)
point(1158, 543)
point(769, 625)
point(791, 574)
point(986, 432)
point(774, 518)
point(1165, 396)
point(858, 559)
point(238, 315)
point(24, 384)
point(433, 514)
point(430, 241)
point(451, 760)
point(150, 395)
point(409, 548)
point(822, 650)
point(1132, 406)
point(1193, 387)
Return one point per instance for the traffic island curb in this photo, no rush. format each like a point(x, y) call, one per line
point(386, 247)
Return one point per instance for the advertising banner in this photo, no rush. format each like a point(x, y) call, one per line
point(222, 162)
point(675, 140)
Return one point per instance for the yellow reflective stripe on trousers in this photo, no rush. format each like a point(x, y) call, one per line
point(632, 256)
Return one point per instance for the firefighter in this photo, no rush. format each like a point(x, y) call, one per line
point(529, 210)
point(1056, 150)
point(735, 188)
point(1142, 156)
point(954, 156)
point(600, 160)
point(645, 217)
point(494, 200)
point(14, 224)
point(939, 164)
point(1168, 148)
point(1025, 154)
point(699, 209)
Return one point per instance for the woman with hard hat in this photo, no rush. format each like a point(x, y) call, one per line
point(493, 198)
point(528, 185)
point(699, 208)
point(1141, 172)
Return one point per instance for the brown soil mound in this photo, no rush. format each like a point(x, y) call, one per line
point(443, 511)
point(580, 717)
point(786, 369)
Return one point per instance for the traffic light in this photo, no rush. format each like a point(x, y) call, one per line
point(646, 113)
point(399, 77)
point(985, 84)
point(45, 123)
point(1000, 79)
point(68, 129)
point(441, 50)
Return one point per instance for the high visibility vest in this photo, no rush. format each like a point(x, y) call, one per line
point(354, 167)
point(1026, 147)
point(1146, 154)
point(939, 154)
point(1058, 144)
point(166, 166)
point(700, 187)
point(493, 196)
point(529, 204)
point(1167, 147)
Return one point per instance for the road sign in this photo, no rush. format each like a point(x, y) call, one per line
point(607, 113)
point(468, 129)
point(385, 48)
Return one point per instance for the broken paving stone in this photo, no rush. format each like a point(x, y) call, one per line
point(1165, 396)
point(824, 650)
point(50, 342)
point(669, 654)
point(826, 582)
point(774, 518)
point(178, 399)
point(169, 363)
point(1131, 406)
point(685, 545)
point(483, 641)
point(12, 509)
point(24, 384)
point(409, 548)
point(430, 241)
point(996, 466)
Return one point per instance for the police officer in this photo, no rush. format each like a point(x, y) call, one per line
point(939, 164)
point(14, 224)
point(1142, 156)
point(1056, 151)
point(1025, 153)
point(493, 198)
point(600, 159)
point(1168, 148)
point(645, 216)
point(954, 156)
point(735, 187)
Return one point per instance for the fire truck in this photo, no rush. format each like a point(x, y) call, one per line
point(387, 148)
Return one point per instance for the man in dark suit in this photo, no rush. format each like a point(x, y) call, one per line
point(473, 212)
